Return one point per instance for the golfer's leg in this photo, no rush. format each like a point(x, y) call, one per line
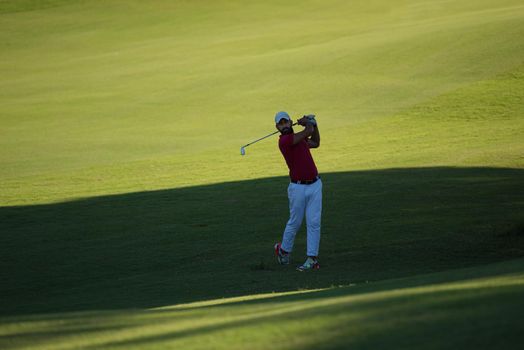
point(313, 217)
point(297, 202)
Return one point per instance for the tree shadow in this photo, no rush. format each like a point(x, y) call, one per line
point(157, 248)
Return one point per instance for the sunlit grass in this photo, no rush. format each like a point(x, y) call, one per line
point(122, 96)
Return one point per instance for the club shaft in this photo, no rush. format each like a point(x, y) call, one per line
point(260, 139)
point(265, 137)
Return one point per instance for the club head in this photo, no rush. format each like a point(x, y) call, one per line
point(242, 151)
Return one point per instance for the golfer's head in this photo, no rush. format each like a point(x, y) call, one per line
point(283, 123)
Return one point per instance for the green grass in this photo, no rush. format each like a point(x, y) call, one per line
point(117, 97)
point(150, 249)
point(468, 308)
point(127, 214)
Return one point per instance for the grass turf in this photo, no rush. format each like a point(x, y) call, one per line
point(467, 308)
point(122, 186)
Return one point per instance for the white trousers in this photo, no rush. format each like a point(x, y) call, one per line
point(304, 200)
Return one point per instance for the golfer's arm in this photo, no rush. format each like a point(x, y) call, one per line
point(304, 134)
point(314, 141)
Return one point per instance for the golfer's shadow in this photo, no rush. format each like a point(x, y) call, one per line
point(166, 247)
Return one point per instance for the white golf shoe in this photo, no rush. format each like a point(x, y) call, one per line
point(309, 264)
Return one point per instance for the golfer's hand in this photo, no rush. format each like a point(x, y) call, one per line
point(302, 121)
point(311, 119)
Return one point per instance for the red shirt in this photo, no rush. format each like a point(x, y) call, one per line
point(298, 158)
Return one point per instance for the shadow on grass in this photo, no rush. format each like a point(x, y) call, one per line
point(349, 311)
point(166, 247)
point(389, 310)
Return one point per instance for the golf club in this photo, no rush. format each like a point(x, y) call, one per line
point(242, 149)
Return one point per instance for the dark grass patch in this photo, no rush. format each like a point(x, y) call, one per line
point(166, 247)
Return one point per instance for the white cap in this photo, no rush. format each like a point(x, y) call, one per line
point(281, 115)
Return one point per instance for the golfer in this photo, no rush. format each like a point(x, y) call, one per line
point(305, 189)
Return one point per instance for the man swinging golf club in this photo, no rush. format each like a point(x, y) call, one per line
point(304, 190)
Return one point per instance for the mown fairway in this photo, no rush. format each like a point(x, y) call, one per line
point(128, 217)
